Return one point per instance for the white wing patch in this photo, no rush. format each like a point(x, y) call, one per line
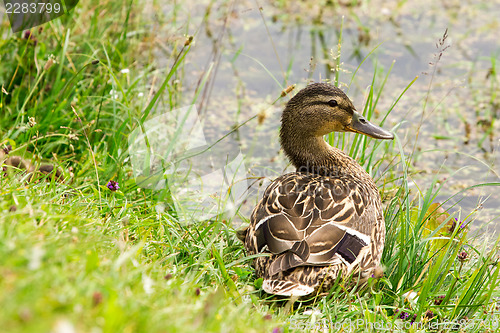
point(365, 238)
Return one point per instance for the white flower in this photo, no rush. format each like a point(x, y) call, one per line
point(411, 296)
point(64, 326)
point(35, 260)
point(125, 71)
point(147, 284)
point(114, 94)
point(160, 208)
point(311, 312)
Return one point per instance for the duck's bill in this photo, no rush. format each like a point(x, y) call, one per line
point(360, 125)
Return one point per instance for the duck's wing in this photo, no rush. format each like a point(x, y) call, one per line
point(311, 220)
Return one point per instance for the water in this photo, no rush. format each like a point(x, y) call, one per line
point(253, 54)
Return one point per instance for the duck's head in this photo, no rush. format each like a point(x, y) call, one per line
point(322, 108)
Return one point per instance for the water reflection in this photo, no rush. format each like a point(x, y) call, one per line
point(254, 53)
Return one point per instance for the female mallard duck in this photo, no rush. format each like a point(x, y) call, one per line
point(325, 220)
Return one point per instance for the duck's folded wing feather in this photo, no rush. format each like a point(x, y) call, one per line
point(310, 220)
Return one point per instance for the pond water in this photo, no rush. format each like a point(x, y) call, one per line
point(447, 117)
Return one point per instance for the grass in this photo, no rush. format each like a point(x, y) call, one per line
point(75, 255)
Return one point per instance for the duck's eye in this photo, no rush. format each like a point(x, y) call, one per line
point(333, 103)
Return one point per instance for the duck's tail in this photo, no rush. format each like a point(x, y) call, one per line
point(306, 280)
point(302, 280)
point(286, 288)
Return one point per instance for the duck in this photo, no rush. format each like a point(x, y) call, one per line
point(323, 221)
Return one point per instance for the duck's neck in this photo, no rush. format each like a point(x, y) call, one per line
point(311, 154)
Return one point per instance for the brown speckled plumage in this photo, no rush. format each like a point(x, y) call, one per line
point(325, 219)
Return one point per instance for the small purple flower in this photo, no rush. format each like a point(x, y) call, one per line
point(29, 36)
point(113, 186)
point(404, 315)
point(453, 225)
point(429, 314)
point(462, 256)
point(413, 319)
point(96, 298)
point(7, 149)
point(277, 330)
point(439, 300)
